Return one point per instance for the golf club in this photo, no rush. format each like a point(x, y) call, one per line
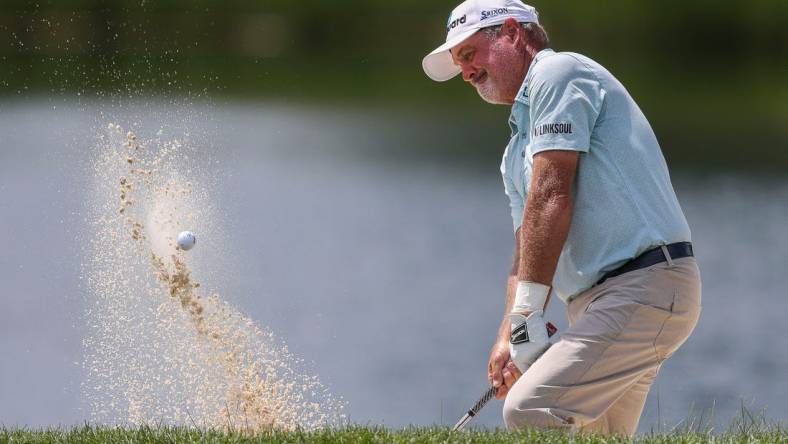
point(490, 393)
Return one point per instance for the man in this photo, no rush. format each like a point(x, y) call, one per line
point(597, 224)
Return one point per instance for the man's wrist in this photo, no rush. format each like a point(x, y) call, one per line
point(504, 331)
point(530, 296)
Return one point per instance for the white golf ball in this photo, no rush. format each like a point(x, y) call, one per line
point(186, 240)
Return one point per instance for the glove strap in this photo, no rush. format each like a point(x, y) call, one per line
point(530, 296)
point(520, 333)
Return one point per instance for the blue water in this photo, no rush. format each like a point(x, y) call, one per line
point(381, 268)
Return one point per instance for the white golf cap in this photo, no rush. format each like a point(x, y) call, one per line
point(464, 21)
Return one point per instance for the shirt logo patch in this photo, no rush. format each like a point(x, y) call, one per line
point(553, 128)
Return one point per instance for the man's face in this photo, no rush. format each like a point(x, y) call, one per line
point(496, 68)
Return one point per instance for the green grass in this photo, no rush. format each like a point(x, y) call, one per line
point(740, 433)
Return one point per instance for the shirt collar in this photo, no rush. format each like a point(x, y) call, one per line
point(522, 94)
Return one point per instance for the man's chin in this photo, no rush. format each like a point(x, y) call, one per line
point(490, 94)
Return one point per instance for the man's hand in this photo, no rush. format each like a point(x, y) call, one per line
point(530, 338)
point(501, 371)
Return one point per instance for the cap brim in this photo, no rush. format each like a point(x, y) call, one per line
point(438, 65)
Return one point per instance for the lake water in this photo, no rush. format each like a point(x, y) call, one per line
point(383, 268)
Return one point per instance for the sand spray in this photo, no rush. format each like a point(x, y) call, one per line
point(160, 347)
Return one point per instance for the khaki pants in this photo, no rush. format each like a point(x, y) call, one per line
point(596, 378)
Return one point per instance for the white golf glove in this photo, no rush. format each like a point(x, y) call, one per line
point(529, 339)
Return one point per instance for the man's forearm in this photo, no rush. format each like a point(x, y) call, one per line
point(544, 229)
point(547, 215)
point(546, 222)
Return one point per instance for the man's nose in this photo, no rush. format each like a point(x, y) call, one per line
point(468, 72)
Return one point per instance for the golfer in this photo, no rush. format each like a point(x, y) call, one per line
point(596, 221)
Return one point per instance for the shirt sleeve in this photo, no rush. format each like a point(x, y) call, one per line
point(566, 99)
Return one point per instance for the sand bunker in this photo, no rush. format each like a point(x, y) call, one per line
point(161, 348)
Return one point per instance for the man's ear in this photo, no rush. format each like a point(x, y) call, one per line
point(511, 28)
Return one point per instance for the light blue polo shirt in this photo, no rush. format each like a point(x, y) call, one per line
point(624, 203)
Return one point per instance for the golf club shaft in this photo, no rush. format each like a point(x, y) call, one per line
point(488, 395)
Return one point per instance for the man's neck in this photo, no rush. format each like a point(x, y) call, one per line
point(529, 54)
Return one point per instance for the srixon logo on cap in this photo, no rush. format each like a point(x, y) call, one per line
point(456, 22)
point(493, 13)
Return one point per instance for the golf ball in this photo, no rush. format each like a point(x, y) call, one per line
point(186, 240)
